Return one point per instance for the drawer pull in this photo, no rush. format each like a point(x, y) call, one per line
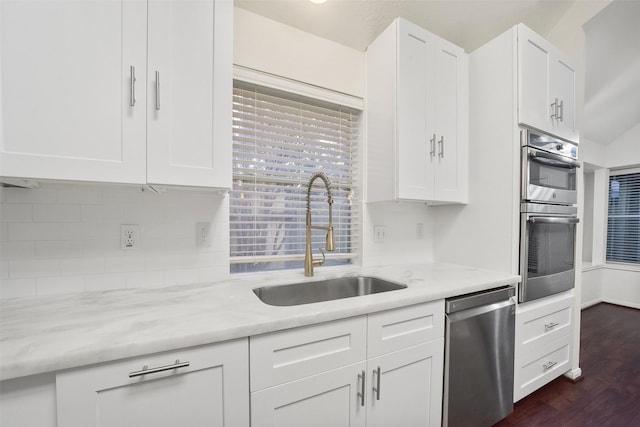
point(549, 365)
point(145, 370)
point(551, 325)
point(362, 391)
point(376, 389)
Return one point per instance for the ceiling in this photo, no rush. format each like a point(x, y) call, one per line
point(612, 86)
point(356, 23)
point(612, 73)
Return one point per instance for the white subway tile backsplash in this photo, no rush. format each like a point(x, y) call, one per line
point(105, 282)
point(80, 196)
point(33, 231)
point(163, 262)
point(56, 213)
point(180, 277)
point(145, 279)
point(22, 195)
point(13, 288)
point(17, 250)
point(59, 285)
point(16, 212)
point(58, 249)
point(123, 264)
point(33, 268)
point(82, 266)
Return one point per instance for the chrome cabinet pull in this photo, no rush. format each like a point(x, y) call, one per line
point(551, 325)
point(561, 108)
point(376, 389)
point(145, 370)
point(362, 390)
point(554, 109)
point(549, 365)
point(432, 142)
point(132, 74)
point(441, 144)
point(158, 90)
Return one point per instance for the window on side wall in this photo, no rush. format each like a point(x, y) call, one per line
point(623, 227)
point(279, 141)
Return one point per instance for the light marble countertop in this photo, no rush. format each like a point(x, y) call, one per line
point(46, 334)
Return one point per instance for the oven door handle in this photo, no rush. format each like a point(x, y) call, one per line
point(552, 220)
point(553, 159)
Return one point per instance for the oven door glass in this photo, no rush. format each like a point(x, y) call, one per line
point(549, 180)
point(548, 256)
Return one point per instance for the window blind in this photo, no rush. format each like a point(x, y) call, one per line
point(623, 228)
point(279, 141)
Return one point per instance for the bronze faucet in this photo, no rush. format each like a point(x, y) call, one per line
point(309, 262)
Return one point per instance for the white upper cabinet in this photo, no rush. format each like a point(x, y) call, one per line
point(417, 116)
point(67, 91)
point(546, 86)
point(189, 84)
point(79, 103)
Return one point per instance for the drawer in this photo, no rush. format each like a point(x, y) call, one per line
point(539, 325)
point(404, 327)
point(529, 376)
point(292, 354)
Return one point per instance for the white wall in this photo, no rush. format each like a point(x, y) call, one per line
point(269, 46)
point(625, 150)
point(66, 238)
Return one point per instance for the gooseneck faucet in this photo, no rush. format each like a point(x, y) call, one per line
point(309, 262)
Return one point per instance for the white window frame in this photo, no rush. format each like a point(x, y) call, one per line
point(612, 263)
point(320, 95)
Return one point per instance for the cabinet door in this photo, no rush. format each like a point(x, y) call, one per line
point(189, 85)
point(534, 104)
point(333, 398)
point(67, 90)
point(212, 391)
point(451, 95)
point(415, 112)
point(405, 387)
point(563, 82)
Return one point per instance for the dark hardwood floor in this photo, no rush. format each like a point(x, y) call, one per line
point(609, 393)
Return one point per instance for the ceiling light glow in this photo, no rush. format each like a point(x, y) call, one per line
point(317, 1)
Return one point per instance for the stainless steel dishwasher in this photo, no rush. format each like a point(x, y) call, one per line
point(478, 371)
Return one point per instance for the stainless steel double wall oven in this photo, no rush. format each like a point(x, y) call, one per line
point(548, 215)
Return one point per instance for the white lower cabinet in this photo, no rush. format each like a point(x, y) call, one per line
point(543, 342)
point(405, 387)
point(199, 386)
point(377, 370)
point(331, 398)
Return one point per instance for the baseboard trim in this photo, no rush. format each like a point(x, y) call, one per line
point(621, 303)
point(591, 303)
point(574, 375)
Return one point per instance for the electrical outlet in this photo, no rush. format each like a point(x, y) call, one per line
point(420, 231)
point(129, 236)
point(203, 235)
point(379, 232)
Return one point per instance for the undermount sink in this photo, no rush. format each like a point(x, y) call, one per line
point(324, 290)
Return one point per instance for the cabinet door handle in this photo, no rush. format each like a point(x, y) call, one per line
point(158, 90)
point(441, 144)
point(376, 389)
point(432, 142)
point(145, 370)
point(554, 109)
point(362, 390)
point(132, 74)
point(550, 325)
point(561, 108)
point(549, 365)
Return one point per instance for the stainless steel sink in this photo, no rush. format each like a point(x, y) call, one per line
point(324, 290)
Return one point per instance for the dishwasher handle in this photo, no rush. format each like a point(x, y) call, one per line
point(477, 299)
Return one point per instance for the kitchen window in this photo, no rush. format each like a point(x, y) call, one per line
point(279, 141)
point(623, 228)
